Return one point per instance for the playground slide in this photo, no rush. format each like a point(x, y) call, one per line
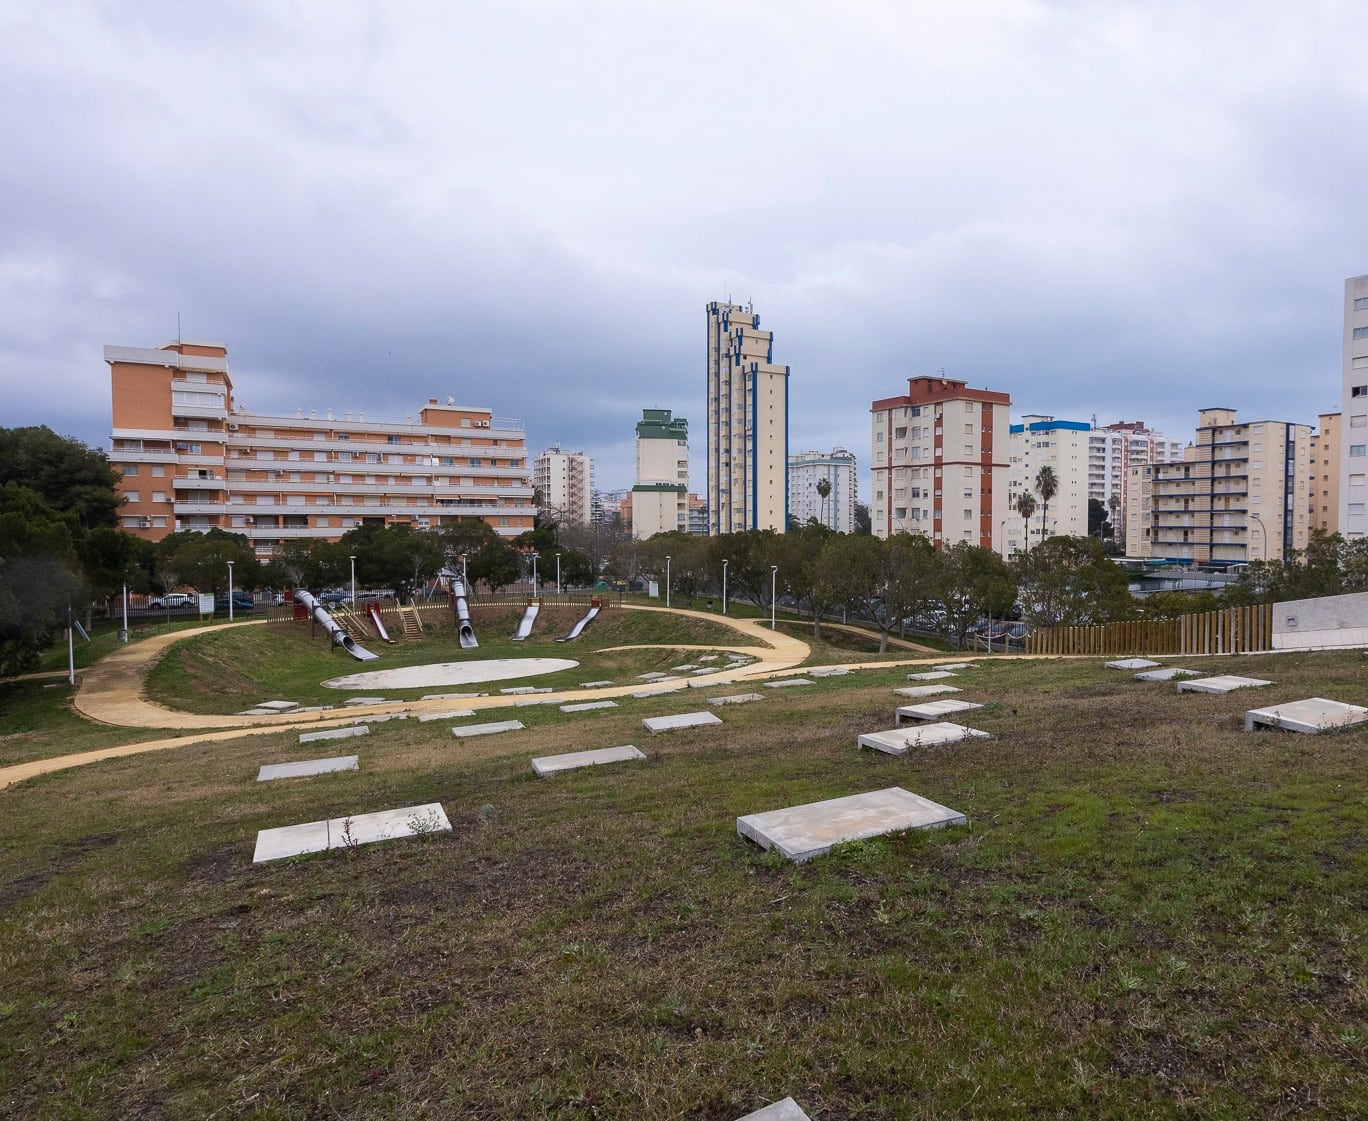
point(466, 631)
point(379, 626)
point(329, 624)
point(525, 624)
point(579, 627)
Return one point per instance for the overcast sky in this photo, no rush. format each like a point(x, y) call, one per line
point(1132, 210)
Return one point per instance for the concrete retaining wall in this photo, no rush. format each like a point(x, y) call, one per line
point(1329, 621)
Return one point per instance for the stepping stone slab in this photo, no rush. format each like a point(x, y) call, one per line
point(735, 699)
point(932, 710)
point(341, 832)
point(926, 690)
point(1226, 683)
point(530, 703)
point(551, 764)
point(704, 669)
point(896, 741)
point(1168, 673)
point(308, 767)
point(594, 684)
point(1311, 716)
point(710, 683)
point(383, 717)
point(956, 665)
point(335, 733)
point(278, 706)
point(449, 696)
point(366, 700)
point(684, 668)
point(518, 690)
point(654, 675)
point(785, 1110)
point(651, 693)
point(786, 682)
point(802, 832)
point(449, 714)
point(588, 705)
point(488, 729)
point(1132, 663)
point(654, 724)
point(710, 657)
point(830, 671)
point(931, 675)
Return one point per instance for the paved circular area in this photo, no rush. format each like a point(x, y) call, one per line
point(451, 673)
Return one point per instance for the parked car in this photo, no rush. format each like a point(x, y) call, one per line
point(242, 601)
point(174, 599)
point(331, 599)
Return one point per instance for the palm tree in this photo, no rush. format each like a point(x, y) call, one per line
point(1113, 506)
point(1047, 486)
point(1026, 507)
point(823, 489)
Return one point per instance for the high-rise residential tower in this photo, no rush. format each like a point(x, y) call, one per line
point(1353, 456)
point(660, 498)
point(565, 481)
point(747, 424)
point(807, 472)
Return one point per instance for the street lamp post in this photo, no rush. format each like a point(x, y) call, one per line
point(125, 612)
point(667, 580)
point(230, 591)
point(724, 586)
point(534, 574)
point(774, 575)
point(353, 576)
point(1264, 533)
point(558, 556)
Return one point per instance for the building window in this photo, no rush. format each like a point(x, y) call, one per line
point(1360, 303)
point(968, 515)
point(1356, 507)
point(1356, 449)
point(158, 471)
point(132, 495)
point(1361, 332)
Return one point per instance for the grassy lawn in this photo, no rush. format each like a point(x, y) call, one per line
point(37, 721)
point(1150, 914)
point(233, 671)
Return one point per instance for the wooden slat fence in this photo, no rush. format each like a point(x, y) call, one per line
point(1232, 630)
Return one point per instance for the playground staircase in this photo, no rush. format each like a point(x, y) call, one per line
point(353, 622)
point(412, 627)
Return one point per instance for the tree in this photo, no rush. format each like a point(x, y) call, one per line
point(1026, 508)
point(881, 580)
point(824, 492)
point(1047, 486)
point(863, 524)
point(201, 560)
point(496, 563)
point(972, 582)
point(1114, 508)
point(800, 552)
point(1097, 519)
point(40, 582)
point(393, 556)
point(69, 476)
point(1069, 581)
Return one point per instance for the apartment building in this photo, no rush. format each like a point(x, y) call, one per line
point(747, 424)
point(1240, 493)
point(565, 482)
point(1353, 454)
point(1112, 451)
point(1064, 447)
point(190, 458)
point(939, 463)
point(660, 498)
point(806, 471)
point(698, 516)
point(1324, 490)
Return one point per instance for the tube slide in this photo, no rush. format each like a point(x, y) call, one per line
point(466, 631)
point(579, 627)
point(337, 634)
point(525, 624)
point(379, 626)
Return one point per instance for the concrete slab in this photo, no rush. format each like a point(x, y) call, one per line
point(446, 714)
point(786, 682)
point(1133, 663)
point(594, 684)
point(931, 675)
point(1311, 716)
point(1224, 683)
point(277, 706)
point(896, 741)
point(488, 729)
point(437, 674)
point(587, 705)
point(645, 693)
point(383, 718)
point(1167, 673)
point(552, 764)
point(447, 697)
point(364, 701)
point(932, 710)
point(655, 724)
point(685, 668)
point(829, 671)
point(518, 690)
point(926, 690)
point(346, 832)
point(735, 699)
point(711, 683)
point(785, 1110)
point(306, 767)
point(956, 665)
point(702, 670)
point(654, 675)
point(532, 702)
point(335, 733)
point(803, 832)
point(709, 657)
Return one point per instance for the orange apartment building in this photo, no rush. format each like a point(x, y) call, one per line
point(190, 458)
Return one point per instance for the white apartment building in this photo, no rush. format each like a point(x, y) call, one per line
point(660, 498)
point(565, 481)
point(1353, 457)
point(939, 463)
point(806, 471)
point(1112, 451)
point(1062, 445)
point(190, 458)
point(747, 424)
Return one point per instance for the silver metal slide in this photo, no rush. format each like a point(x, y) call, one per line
point(525, 623)
point(463, 627)
point(336, 633)
point(576, 630)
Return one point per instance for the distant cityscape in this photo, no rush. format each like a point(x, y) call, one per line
point(946, 460)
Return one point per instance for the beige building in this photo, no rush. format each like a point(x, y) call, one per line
point(747, 424)
point(1240, 493)
point(806, 471)
point(1324, 490)
point(1353, 453)
point(939, 463)
point(1063, 446)
point(660, 498)
point(190, 458)
point(565, 482)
